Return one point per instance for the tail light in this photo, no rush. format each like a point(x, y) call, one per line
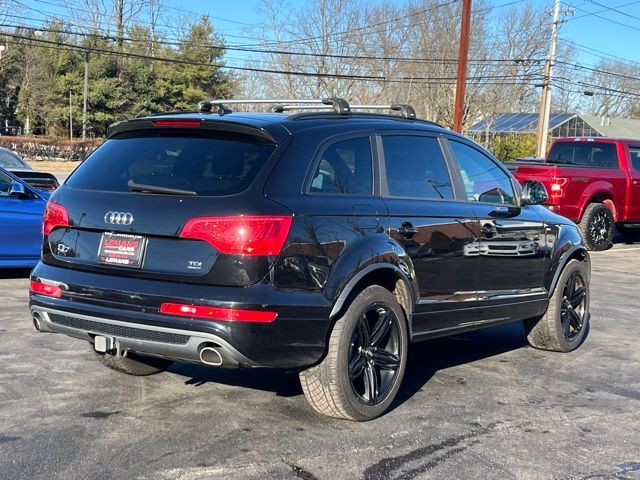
point(241, 235)
point(47, 289)
point(557, 184)
point(55, 216)
point(218, 313)
point(177, 123)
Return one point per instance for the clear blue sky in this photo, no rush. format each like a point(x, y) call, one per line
point(589, 30)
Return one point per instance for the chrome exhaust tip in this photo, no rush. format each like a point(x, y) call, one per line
point(210, 356)
point(37, 322)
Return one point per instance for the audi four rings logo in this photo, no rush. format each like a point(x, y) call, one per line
point(118, 218)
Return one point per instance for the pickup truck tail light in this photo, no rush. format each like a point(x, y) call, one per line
point(557, 186)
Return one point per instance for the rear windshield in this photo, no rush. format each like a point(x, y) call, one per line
point(208, 165)
point(584, 154)
point(9, 160)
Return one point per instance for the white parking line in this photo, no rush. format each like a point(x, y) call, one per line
point(618, 250)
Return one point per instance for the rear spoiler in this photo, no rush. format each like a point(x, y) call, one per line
point(192, 123)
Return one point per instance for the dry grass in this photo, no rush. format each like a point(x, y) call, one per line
point(54, 166)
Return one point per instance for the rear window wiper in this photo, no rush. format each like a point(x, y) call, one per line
point(139, 187)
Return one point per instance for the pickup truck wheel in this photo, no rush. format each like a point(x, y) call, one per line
point(133, 364)
point(365, 361)
point(597, 227)
point(565, 325)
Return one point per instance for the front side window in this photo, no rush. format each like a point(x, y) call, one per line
point(483, 179)
point(634, 152)
point(345, 168)
point(5, 184)
point(416, 167)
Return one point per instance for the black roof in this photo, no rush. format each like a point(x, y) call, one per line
point(278, 125)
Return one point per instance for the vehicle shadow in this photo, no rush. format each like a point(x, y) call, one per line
point(425, 359)
point(428, 357)
point(7, 273)
point(625, 240)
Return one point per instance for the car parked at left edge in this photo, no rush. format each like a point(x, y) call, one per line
point(21, 209)
point(18, 166)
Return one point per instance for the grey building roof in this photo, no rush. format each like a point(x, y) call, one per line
point(528, 123)
point(614, 127)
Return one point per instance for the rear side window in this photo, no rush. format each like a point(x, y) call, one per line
point(344, 168)
point(208, 165)
point(416, 167)
point(634, 152)
point(584, 154)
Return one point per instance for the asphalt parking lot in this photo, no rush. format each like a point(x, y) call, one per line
point(475, 406)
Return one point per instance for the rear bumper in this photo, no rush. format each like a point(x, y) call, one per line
point(126, 311)
point(173, 343)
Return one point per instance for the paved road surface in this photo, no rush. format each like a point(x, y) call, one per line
point(476, 406)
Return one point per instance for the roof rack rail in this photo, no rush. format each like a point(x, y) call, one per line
point(406, 110)
point(339, 105)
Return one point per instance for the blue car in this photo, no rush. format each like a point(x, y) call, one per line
point(21, 209)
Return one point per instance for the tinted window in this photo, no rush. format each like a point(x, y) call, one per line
point(483, 179)
point(586, 154)
point(635, 157)
point(10, 160)
point(345, 167)
point(208, 165)
point(416, 167)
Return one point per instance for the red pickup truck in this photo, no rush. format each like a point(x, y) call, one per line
point(595, 182)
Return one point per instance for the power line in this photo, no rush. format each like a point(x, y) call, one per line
point(615, 9)
point(58, 44)
point(605, 18)
point(599, 53)
point(275, 52)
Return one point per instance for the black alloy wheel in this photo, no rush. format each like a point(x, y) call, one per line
point(361, 373)
point(599, 229)
point(374, 356)
point(573, 310)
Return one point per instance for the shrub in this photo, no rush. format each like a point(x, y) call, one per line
point(35, 149)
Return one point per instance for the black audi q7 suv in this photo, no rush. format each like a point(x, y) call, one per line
point(325, 241)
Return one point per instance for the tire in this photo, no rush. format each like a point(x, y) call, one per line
point(558, 329)
point(355, 346)
point(597, 227)
point(133, 364)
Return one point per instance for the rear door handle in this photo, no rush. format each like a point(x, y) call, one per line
point(407, 230)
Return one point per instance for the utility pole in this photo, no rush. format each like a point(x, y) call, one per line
point(463, 54)
point(545, 96)
point(84, 95)
point(70, 117)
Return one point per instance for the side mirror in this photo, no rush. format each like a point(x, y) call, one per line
point(17, 190)
point(533, 193)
